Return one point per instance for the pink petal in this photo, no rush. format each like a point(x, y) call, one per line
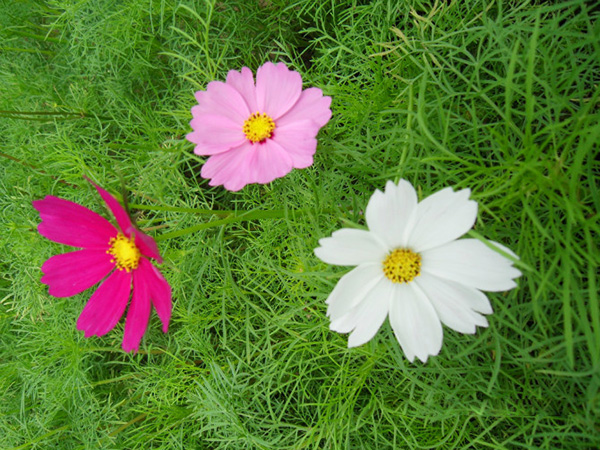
point(118, 211)
point(311, 105)
point(250, 163)
point(271, 162)
point(243, 82)
point(300, 129)
point(71, 273)
point(68, 223)
point(159, 290)
point(298, 141)
point(138, 314)
point(206, 149)
point(222, 99)
point(277, 89)
point(215, 134)
point(232, 169)
point(104, 309)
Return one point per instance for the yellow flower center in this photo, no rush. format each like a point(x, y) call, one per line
point(258, 127)
point(125, 254)
point(402, 265)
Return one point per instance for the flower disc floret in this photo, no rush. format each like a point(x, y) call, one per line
point(402, 265)
point(126, 255)
point(258, 127)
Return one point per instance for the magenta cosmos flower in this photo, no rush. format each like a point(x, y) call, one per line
point(255, 133)
point(119, 254)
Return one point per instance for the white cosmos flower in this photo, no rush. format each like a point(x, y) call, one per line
point(411, 267)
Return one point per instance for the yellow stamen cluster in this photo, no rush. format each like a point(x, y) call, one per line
point(402, 265)
point(126, 255)
point(258, 127)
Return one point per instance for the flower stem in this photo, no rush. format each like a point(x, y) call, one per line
point(181, 209)
point(232, 218)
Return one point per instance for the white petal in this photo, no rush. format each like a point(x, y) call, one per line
point(391, 215)
point(504, 249)
point(441, 218)
point(350, 247)
point(376, 307)
point(349, 321)
point(415, 322)
point(473, 298)
point(352, 288)
point(366, 317)
point(452, 302)
point(470, 262)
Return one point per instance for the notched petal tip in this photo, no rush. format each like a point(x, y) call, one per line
point(129, 348)
point(424, 358)
point(504, 249)
point(39, 204)
point(350, 247)
point(277, 88)
point(353, 342)
point(62, 281)
point(198, 95)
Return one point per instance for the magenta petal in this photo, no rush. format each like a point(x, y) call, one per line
point(146, 244)
point(104, 309)
point(311, 105)
point(68, 223)
point(138, 313)
point(277, 89)
point(118, 211)
point(159, 290)
point(69, 274)
point(243, 82)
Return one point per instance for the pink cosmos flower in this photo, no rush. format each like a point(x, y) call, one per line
point(255, 133)
point(122, 253)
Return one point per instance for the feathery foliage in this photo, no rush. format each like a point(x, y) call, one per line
point(501, 97)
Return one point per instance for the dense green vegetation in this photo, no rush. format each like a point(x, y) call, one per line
point(497, 96)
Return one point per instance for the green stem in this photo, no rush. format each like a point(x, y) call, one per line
point(41, 438)
point(249, 215)
point(26, 164)
point(41, 115)
point(28, 50)
point(125, 425)
point(181, 209)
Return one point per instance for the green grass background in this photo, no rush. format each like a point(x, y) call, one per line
point(497, 96)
